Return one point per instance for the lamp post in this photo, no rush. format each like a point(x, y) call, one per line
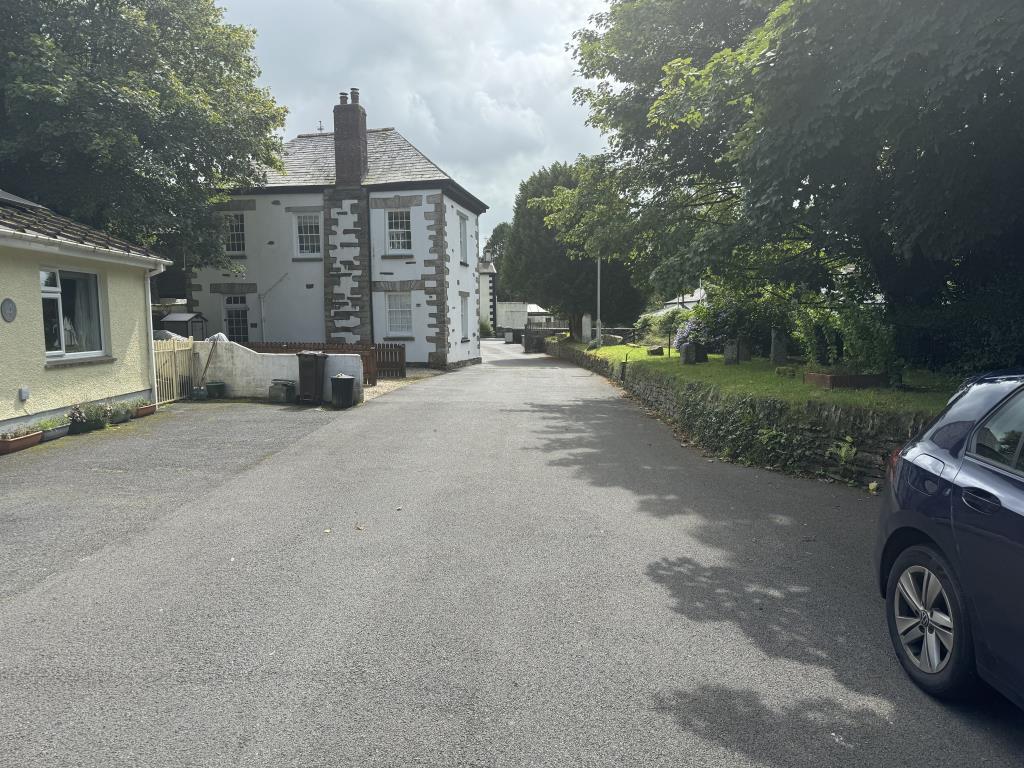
point(600, 333)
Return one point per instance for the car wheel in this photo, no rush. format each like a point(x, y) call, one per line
point(928, 623)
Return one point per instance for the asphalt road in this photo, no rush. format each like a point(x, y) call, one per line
point(509, 565)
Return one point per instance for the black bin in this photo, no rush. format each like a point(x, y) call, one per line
point(311, 377)
point(343, 390)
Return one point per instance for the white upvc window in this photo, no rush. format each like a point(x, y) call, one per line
point(463, 239)
point(234, 237)
point(307, 234)
point(399, 309)
point(465, 318)
point(72, 326)
point(399, 231)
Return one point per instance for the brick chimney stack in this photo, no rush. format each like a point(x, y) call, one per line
point(350, 155)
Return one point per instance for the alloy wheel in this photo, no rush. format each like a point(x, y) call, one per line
point(924, 619)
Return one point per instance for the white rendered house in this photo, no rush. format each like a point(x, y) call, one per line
point(359, 239)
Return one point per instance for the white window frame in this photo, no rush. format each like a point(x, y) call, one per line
point(463, 240)
point(392, 230)
point(388, 310)
point(101, 303)
point(236, 301)
point(298, 217)
point(464, 309)
point(238, 216)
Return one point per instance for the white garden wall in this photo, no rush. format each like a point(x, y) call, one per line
point(249, 374)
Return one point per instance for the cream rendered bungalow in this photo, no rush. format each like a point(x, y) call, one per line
point(359, 239)
point(75, 319)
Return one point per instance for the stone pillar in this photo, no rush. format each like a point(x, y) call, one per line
point(780, 347)
point(732, 352)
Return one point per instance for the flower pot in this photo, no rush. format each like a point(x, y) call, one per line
point(145, 410)
point(12, 444)
point(55, 433)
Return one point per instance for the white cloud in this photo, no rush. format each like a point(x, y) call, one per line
point(482, 87)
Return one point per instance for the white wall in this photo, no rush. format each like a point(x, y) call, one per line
point(409, 268)
point(249, 374)
point(462, 279)
point(294, 308)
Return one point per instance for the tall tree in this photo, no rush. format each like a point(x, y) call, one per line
point(497, 247)
point(133, 115)
point(540, 269)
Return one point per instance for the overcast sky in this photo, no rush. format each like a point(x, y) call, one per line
point(482, 87)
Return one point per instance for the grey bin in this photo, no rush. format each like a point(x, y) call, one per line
point(343, 388)
point(282, 391)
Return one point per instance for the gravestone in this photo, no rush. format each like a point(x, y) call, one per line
point(656, 350)
point(743, 349)
point(688, 353)
point(780, 346)
point(732, 352)
point(700, 353)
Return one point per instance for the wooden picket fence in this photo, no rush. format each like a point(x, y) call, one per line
point(176, 372)
point(385, 361)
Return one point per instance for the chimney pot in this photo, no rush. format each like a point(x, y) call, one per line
point(355, 95)
point(343, 98)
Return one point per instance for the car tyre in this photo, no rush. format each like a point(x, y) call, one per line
point(937, 652)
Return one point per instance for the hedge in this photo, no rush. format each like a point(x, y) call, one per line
point(845, 443)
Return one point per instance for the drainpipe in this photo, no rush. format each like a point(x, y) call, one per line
point(261, 296)
point(150, 274)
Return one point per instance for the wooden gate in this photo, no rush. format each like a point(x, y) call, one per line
point(176, 373)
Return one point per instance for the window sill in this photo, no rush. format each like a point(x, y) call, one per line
point(64, 362)
point(396, 256)
point(399, 338)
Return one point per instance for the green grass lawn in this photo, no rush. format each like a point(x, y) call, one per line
point(923, 392)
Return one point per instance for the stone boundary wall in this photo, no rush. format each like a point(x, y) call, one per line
point(249, 374)
point(845, 443)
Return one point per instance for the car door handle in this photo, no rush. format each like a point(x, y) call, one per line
point(981, 501)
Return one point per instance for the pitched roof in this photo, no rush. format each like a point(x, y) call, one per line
point(25, 217)
point(308, 160)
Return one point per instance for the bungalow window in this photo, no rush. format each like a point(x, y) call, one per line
point(399, 309)
point(71, 313)
point(399, 231)
point(307, 234)
point(234, 224)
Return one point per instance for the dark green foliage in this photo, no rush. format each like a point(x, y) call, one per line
point(812, 144)
point(497, 248)
point(132, 116)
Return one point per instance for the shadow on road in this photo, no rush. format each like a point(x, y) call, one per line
point(792, 576)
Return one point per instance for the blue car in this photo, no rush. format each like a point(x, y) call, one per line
point(950, 548)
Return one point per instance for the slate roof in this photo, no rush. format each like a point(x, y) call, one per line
point(20, 215)
point(308, 160)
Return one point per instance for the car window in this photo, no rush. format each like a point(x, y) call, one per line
point(950, 429)
point(998, 438)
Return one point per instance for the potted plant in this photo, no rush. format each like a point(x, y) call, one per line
point(85, 418)
point(54, 427)
point(19, 438)
point(120, 413)
point(143, 408)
